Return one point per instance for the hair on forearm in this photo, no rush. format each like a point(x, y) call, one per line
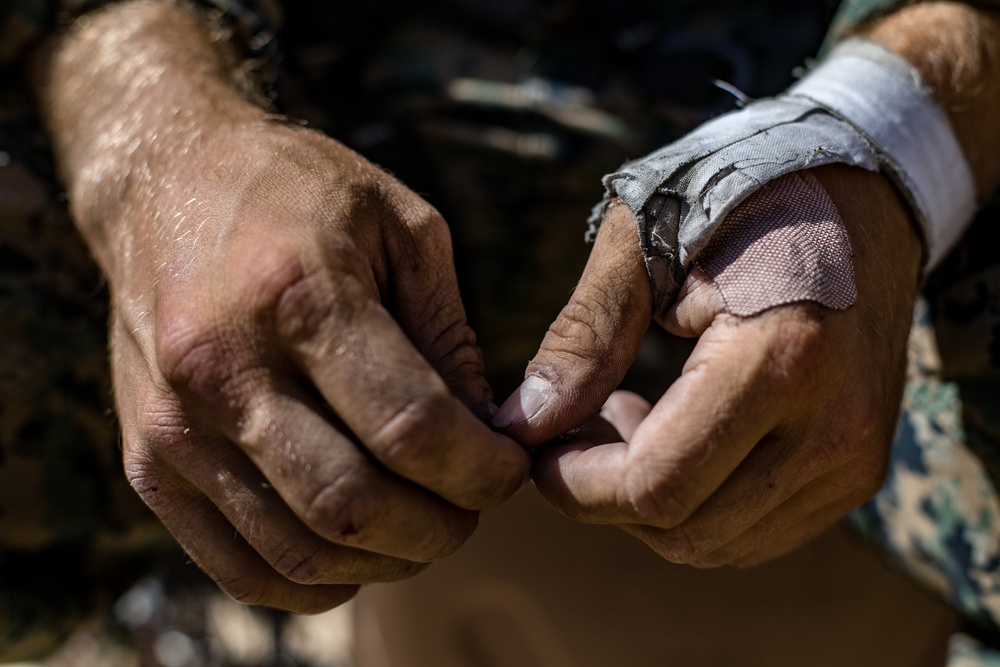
point(956, 49)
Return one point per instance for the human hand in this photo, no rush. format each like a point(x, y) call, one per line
point(779, 423)
point(301, 400)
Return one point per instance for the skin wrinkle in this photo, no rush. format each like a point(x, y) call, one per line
point(213, 198)
point(765, 393)
point(159, 138)
point(454, 352)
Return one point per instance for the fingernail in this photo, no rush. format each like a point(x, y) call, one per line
point(526, 402)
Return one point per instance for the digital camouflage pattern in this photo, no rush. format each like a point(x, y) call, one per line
point(938, 514)
point(964, 651)
point(506, 125)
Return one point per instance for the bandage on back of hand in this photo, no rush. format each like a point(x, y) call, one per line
point(785, 243)
point(864, 106)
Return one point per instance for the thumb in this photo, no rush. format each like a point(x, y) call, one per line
point(592, 343)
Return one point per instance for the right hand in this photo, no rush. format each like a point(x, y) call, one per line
point(779, 424)
point(301, 398)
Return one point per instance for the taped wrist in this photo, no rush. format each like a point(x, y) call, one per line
point(864, 107)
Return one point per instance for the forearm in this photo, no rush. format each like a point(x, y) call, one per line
point(129, 91)
point(956, 49)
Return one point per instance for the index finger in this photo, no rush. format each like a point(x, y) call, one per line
point(706, 424)
point(390, 397)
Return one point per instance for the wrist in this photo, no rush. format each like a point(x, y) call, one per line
point(121, 125)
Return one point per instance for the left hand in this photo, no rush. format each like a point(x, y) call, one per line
point(779, 423)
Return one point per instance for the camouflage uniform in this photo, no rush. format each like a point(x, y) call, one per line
point(938, 514)
point(530, 129)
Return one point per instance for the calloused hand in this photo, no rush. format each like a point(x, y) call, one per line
point(302, 401)
point(297, 386)
point(779, 423)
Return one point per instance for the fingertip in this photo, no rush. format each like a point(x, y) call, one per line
point(321, 598)
point(625, 410)
point(547, 471)
point(526, 403)
point(489, 467)
point(581, 479)
point(540, 410)
point(517, 472)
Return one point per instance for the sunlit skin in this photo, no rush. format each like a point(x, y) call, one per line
point(780, 423)
point(292, 364)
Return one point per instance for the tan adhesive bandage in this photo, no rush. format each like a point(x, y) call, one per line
point(784, 244)
point(864, 106)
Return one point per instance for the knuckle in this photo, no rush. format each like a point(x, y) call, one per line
point(578, 321)
point(866, 424)
point(454, 347)
point(301, 302)
point(272, 272)
point(298, 565)
point(836, 448)
point(146, 459)
point(865, 479)
point(869, 486)
point(145, 477)
point(411, 440)
point(800, 356)
point(714, 561)
point(300, 308)
point(590, 323)
point(675, 545)
point(201, 361)
point(460, 357)
point(427, 223)
point(404, 569)
point(447, 542)
point(684, 547)
point(244, 588)
point(852, 439)
point(160, 435)
point(189, 351)
point(574, 334)
point(413, 227)
point(738, 551)
point(663, 501)
point(340, 510)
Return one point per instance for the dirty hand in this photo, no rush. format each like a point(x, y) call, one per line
point(301, 399)
point(779, 424)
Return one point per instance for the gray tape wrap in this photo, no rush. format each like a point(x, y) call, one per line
point(864, 106)
point(682, 192)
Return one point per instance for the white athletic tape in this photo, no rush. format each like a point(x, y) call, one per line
point(885, 99)
point(864, 106)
